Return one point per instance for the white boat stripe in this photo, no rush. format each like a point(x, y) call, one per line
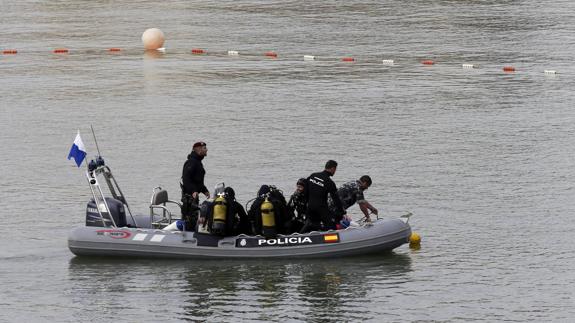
point(140, 237)
point(157, 238)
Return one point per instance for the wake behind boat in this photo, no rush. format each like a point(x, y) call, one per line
point(109, 231)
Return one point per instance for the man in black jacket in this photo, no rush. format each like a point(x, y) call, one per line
point(318, 186)
point(193, 183)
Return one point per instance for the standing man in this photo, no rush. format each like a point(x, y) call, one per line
point(318, 186)
point(193, 184)
point(350, 193)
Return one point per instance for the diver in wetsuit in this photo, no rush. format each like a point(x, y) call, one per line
point(318, 186)
point(297, 208)
point(237, 220)
point(192, 184)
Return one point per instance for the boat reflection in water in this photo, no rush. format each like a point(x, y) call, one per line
point(221, 290)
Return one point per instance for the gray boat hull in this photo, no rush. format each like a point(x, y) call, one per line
point(380, 236)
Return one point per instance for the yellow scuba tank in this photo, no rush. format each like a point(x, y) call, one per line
point(219, 215)
point(268, 219)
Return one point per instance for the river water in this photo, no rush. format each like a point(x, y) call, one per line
point(483, 159)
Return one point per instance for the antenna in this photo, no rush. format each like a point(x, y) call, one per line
point(93, 134)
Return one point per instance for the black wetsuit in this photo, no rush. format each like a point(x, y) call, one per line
point(318, 186)
point(297, 208)
point(193, 175)
point(240, 221)
point(192, 182)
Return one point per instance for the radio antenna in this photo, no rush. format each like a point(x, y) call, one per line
point(95, 140)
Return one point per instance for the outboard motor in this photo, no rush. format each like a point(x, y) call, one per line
point(93, 218)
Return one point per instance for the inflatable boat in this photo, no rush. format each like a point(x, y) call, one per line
point(112, 230)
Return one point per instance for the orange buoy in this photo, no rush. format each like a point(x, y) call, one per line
point(271, 54)
point(428, 62)
point(198, 51)
point(509, 69)
point(9, 52)
point(61, 51)
point(115, 49)
point(348, 59)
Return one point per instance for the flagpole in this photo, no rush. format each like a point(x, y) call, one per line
point(85, 159)
point(86, 162)
point(96, 141)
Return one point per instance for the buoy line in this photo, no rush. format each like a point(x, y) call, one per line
point(153, 40)
point(265, 55)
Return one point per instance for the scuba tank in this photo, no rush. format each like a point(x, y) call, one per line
point(219, 215)
point(268, 219)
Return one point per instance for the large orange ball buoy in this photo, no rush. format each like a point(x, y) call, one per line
point(153, 38)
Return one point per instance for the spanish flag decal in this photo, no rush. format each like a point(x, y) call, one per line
point(328, 238)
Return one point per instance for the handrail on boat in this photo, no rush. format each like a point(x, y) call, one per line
point(99, 197)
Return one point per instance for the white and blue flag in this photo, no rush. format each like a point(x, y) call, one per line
point(78, 151)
